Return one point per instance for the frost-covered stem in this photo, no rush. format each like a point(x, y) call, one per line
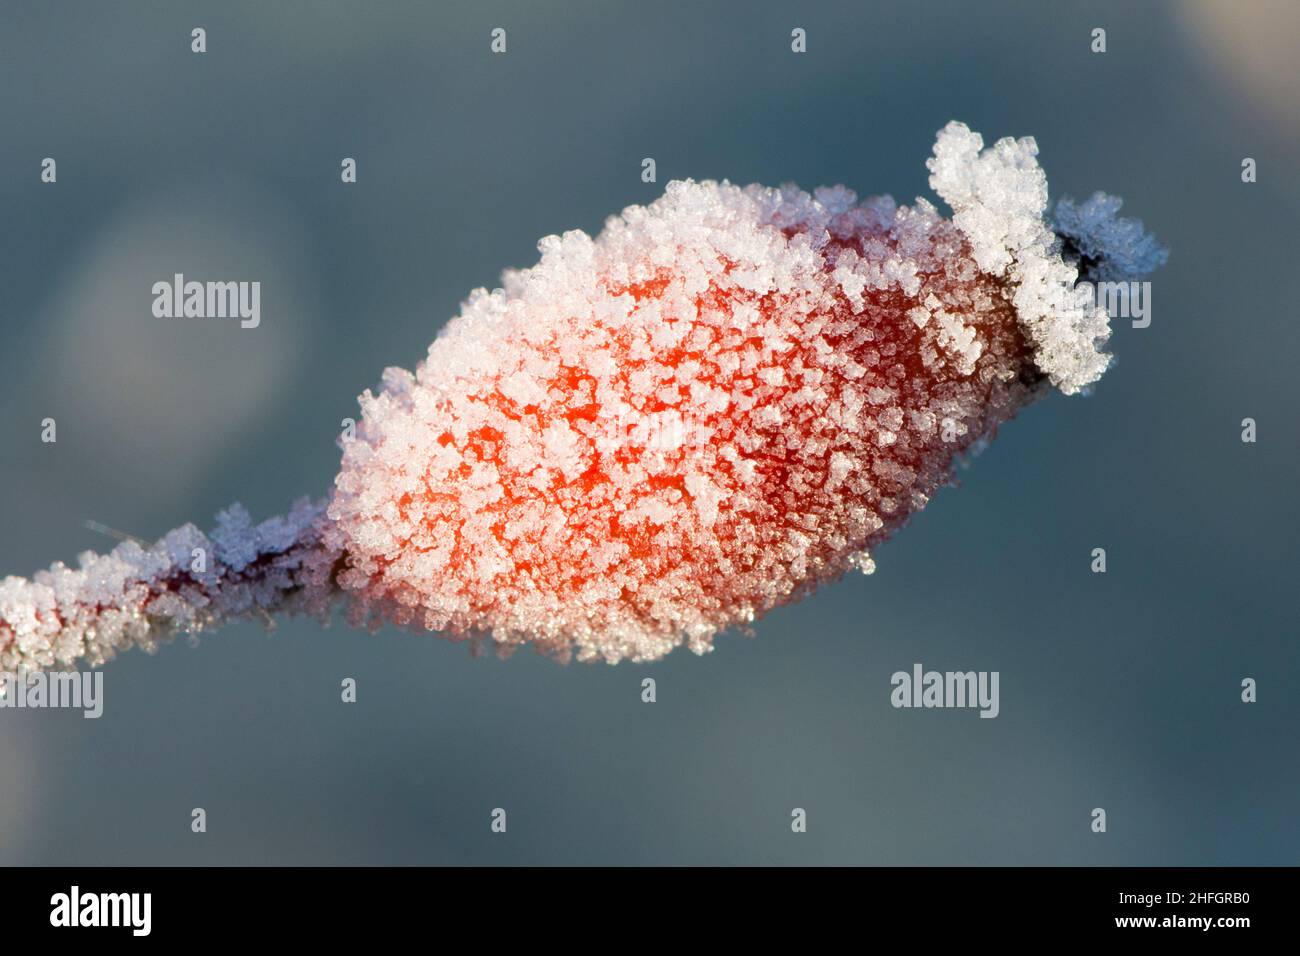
point(186, 582)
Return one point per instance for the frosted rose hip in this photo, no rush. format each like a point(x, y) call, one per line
point(724, 400)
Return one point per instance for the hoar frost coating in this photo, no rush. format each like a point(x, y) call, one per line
point(818, 363)
point(185, 583)
point(724, 400)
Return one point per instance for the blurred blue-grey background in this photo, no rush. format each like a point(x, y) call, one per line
point(1119, 690)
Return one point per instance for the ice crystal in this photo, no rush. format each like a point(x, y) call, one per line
point(1109, 247)
point(186, 582)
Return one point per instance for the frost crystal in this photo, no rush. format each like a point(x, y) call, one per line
point(727, 398)
point(186, 582)
point(999, 198)
point(1109, 247)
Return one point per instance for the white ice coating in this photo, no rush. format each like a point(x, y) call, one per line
point(184, 583)
point(999, 201)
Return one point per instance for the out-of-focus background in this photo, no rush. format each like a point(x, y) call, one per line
point(1119, 691)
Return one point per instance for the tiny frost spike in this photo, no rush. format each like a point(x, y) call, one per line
point(724, 400)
